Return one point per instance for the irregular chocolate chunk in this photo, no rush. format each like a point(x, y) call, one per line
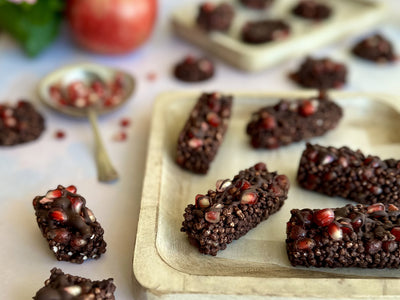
point(20, 123)
point(203, 132)
point(292, 121)
point(375, 48)
point(257, 4)
point(68, 225)
point(235, 207)
point(322, 73)
point(216, 17)
point(310, 9)
point(62, 286)
point(350, 236)
point(264, 31)
point(349, 174)
point(194, 70)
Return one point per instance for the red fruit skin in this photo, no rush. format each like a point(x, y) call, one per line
point(111, 26)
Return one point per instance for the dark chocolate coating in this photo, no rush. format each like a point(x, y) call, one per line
point(257, 4)
point(215, 17)
point(375, 48)
point(234, 208)
point(358, 236)
point(259, 32)
point(62, 286)
point(203, 133)
point(69, 227)
point(349, 174)
point(194, 70)
point(312, 10)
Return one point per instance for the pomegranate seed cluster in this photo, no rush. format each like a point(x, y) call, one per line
point(312, 10)
point(70, 228)
point(350, 236)
point(66, 286)
point(350, 174)
point(233, 208)
point(215, 17)
point(321, 73)
point(292, 121)
point(258, 32)
point(375, 48)
point(19, 123)
point(203, 133)
point(96, 93)
point(194, 70)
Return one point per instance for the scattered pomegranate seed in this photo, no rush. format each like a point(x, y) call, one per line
point(202, 201)
point(58, 215)
point(213, 119)
point(59, 134)
point(392, 207)
point(249, 198)
point(375, 207)
point(389, 246)
point(396, 232)
point(376, 190)
point(307, 108)
point(244, 185)
point(335, 231)
point(195, 143)
point(53, 194)
point(305, 244)
point(125, 122)
point(212, 216)
point(91, 215)
point(269, 123)
point(120, 136)
point(151, 76)
point(324, 217)
point(60, 235)
point(77, 243)
point(221, 185)
point(76, 204)
point(357, 222)
point(45, 200)
point(71, 189)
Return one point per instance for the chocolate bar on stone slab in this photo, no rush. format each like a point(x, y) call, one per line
point(351, 236)
point(70, 228)
point(350, 174)
point(235, 207)
point(203, 133)
point(61, 286)
point(292, 121)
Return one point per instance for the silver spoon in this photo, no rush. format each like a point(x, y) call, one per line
point(88, 73)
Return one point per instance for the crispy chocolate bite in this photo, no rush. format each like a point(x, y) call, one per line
point(375, 48)
point(292, 121)
point(323, 73)
point(233, 208)
point(19, 123)
point(203, 133)
point(70, 228)
point(342, 172)
point(215, 17)
point(61, 286)
point(264, 31)
point(257, 4)
point(194, 70)
point(312, 10)
point(350, 236)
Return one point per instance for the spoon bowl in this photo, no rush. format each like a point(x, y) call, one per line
point(86, 91)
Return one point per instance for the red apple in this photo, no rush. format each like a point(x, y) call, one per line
point(111, 26)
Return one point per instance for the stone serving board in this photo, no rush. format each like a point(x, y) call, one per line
point(349, 17)
point(256, 264)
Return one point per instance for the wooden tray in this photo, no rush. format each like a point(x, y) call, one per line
point(349, 17)
point(256, 264)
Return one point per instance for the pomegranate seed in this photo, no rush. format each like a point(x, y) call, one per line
point(283, 182)
point(195, 143)
point(376, 190)
point(77, 243)
point(10, 122)
point(59, 134)
point(76, 204)
point(335, 232)
point(389, 246)
point(60, 235)
point(343, 162)
point(392, 207)
point(375, 207)
point(120, 136)
point(330, 176)
point(297, 232)
point(305, 244)
point(53, 194)
point(58, 215)
point(125, 122)
point(324, 217)
point(260, 166)
point(91, 215)
point(222, 185)
point(151, 76)
point(71, 189)
point(55, 92)
point(307, 108)
point(396, 232)
point(76, 89)
point(269, 123)
point(356, 223)
point(213, 119)
point(249, 198)
point(202, 201)
point(212, 216)
point(98, 88)
point(373, 246)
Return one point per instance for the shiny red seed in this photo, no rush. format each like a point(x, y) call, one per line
point(195, 143)
point(375, 207)
point(60, 235)
point(249, 198)
point(202, 201)
point(58, 215)
point(125, 122)
point(307, 108)
point(120, 137)
point(392, 207)
point(212, 216)
point(305, 244)
point(59, 134)
point(335, 231)
point(396, 232)
point(54, 194)
point(260, 166)
point(324, 217)
point(71, 189)
point(213, 119)
point(269, 123)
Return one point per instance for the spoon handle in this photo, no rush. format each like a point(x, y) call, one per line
point(105, 170)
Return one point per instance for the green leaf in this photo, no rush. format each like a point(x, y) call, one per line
point(33, 26)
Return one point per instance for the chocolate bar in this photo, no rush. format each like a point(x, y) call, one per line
point(375, 48)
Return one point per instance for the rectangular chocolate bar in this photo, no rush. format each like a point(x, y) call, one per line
point(235, 207)
point(350, 174)
point(292, 121)
point(70, 228)
point(351, 236)
point(203, 132)
point(66, 286)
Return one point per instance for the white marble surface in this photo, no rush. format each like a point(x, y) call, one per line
point(31, 169)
